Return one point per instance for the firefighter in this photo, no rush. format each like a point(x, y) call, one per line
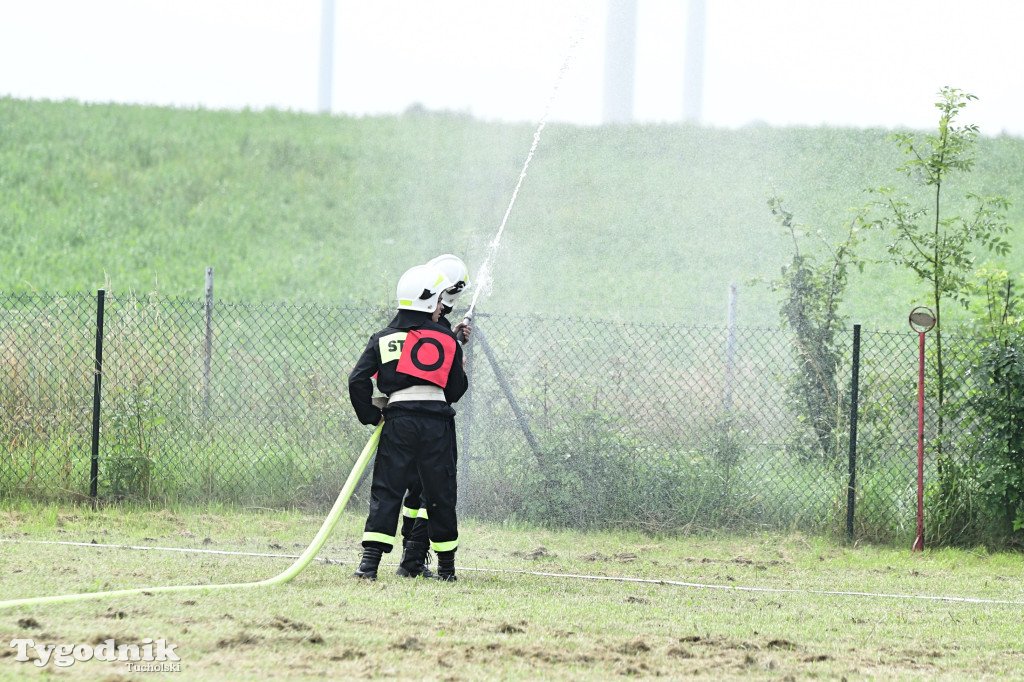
point(419, 366)
point(414, 563)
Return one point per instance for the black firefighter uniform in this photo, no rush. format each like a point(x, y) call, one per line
point(418, 365)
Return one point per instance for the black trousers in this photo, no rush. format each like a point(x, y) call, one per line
point(415, 514)
point(417, 448)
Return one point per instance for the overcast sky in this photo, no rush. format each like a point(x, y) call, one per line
point(863, 63)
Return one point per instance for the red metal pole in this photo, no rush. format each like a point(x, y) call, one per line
point(919, 542)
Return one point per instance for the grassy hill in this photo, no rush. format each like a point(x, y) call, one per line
point(633, 223)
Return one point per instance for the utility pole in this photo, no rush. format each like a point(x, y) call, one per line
point(326, 56)
point(693, 69)
point(620, 61)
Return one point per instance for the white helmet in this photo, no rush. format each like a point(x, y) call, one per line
point(419, 288)
point(456, 271)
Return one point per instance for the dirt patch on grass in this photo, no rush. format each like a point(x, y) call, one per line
point(739, 560)
point(410, 644)
point(699, 655)
point(540, 552)
point(637, 646)
point(284, 623)
point(347, 655)
point(240, 639)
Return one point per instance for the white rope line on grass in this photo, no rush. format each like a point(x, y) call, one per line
point(739, 588)
point(161, 549)
point(575, 576)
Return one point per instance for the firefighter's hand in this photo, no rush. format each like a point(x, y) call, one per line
point(462, 332)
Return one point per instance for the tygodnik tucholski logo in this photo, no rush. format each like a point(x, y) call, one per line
point(149, 656)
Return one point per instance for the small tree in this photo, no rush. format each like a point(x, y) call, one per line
point(810, 309)
point(937, 248)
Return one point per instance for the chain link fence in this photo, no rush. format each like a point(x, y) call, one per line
point(567, 421)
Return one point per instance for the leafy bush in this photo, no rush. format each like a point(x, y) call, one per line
point(999, 403)
point(134, 423)
point(810, 310)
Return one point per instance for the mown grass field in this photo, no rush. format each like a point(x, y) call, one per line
point(520, 611)
point(646, 222)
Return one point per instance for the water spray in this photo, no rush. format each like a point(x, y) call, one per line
point(483, 275)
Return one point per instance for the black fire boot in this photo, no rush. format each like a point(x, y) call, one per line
point(446, 566)
point(368, 566)
point(414, 561)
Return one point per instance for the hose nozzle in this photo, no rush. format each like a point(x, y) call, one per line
point(467, 320)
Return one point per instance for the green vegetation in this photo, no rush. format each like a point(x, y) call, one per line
point(637, 222)
point(646, 224)
point(977, 493)
point(518, 612)
point(982, 495)
point(942, 250)
point(811, 311)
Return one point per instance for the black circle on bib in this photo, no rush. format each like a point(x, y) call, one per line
point(415, 355)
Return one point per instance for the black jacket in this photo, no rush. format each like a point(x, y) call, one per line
point(430, 360)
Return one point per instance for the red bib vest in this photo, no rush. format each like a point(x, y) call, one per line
point(428, 355)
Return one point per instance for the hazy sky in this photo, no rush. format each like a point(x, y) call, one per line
point(865, 63)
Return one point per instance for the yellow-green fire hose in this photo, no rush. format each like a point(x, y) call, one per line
point(281, 578)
